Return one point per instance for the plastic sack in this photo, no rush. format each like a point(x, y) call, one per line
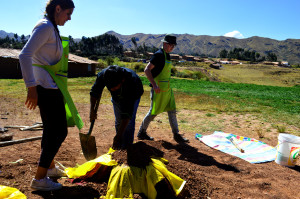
point(10, 193)
point(125, 180)
point(92, 166)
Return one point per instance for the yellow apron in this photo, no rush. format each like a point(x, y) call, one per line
point(59, 73)
point(163, 101)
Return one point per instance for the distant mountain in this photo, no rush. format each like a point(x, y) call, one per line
point(287, 50)
point(4, 34)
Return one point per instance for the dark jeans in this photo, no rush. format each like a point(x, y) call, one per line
point(53, 114)
point(128, 136)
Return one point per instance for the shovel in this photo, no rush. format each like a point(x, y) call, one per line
point(88, 142)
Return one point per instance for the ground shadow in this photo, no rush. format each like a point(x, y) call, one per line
point(191, 154)
point(76, 192)
point(296, 168)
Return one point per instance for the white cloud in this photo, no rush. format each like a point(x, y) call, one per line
point(235, 34)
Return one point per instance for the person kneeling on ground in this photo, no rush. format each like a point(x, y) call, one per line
point(126, 89)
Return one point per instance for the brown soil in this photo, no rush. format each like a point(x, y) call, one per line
point(208, 173)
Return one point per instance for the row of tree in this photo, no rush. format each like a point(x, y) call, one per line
point(142, 49)
point(16, 42)
point(102, 45)
point(246, 55)
point(92, 47)
point(109, 45)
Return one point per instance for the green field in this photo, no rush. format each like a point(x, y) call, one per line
point(258, 74)
point(271, 103)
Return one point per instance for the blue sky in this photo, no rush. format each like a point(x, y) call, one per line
point(276, 19)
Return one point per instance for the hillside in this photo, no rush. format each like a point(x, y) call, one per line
point(287, 50)
point(4, 34)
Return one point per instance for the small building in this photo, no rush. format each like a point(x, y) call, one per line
point(129, 53)
point(148, 55)
point(224, 62)
point(216, 66)
point(174, 57)
point(188, 57)
point(10, 66)
point(234, 62)
point(81, 66)
point(271, 63)
point(285, 64)
point(208, 61)
point(197, 59)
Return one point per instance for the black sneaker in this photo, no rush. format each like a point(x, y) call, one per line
point(144, 136)
point(179, 138)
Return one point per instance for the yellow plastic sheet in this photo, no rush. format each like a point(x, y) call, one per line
point(124, 181)
point(176, 182)
point(10, 193)
point(83, 169)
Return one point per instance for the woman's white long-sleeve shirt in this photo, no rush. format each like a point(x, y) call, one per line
point(43, 48)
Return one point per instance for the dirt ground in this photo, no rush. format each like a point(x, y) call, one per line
point(208, 173)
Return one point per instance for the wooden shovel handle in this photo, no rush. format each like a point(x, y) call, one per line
point(19, 141)
point(93, 122)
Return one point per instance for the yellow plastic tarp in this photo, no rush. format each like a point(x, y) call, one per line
point(124, 180)
point(83, 169)
point(176, 182)
point(10, 193)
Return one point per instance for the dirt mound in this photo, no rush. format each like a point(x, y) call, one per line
point(138, 154)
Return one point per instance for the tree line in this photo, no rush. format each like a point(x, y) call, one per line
point(109, 45)
point(16, 42)
point(94, 47)
point(91, 47)
point(246, 55)
point(105, 45)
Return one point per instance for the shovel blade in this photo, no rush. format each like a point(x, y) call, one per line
point(88, 145)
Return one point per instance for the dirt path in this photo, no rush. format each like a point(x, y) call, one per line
point(209, 173)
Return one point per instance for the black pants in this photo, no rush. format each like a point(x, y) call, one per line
point(53, 114)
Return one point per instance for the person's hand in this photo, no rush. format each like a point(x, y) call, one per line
point(32, 98)
point(117, 144)
point(93, 116)
point(156, 89)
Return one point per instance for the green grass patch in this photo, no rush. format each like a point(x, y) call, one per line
point(270, 103)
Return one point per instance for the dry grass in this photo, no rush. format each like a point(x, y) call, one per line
point(258, 74)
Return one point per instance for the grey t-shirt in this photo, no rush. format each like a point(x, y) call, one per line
point(43, 48)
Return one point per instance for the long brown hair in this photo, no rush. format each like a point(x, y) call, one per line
point(51, 6)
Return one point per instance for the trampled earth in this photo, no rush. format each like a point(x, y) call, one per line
point(208, 173)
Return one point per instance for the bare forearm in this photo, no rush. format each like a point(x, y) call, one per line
point(150, 77)
point(148, 73)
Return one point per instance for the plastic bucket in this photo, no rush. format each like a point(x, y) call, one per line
point(287, 149)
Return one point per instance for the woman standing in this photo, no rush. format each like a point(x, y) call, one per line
point(43, 50)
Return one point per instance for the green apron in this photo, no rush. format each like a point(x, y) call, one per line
point(163, 101)
point(59, 73)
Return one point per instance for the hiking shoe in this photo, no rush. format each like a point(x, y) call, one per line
point(45, 184)
point(179, 138)
point(56, 172)
point(144, 136)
